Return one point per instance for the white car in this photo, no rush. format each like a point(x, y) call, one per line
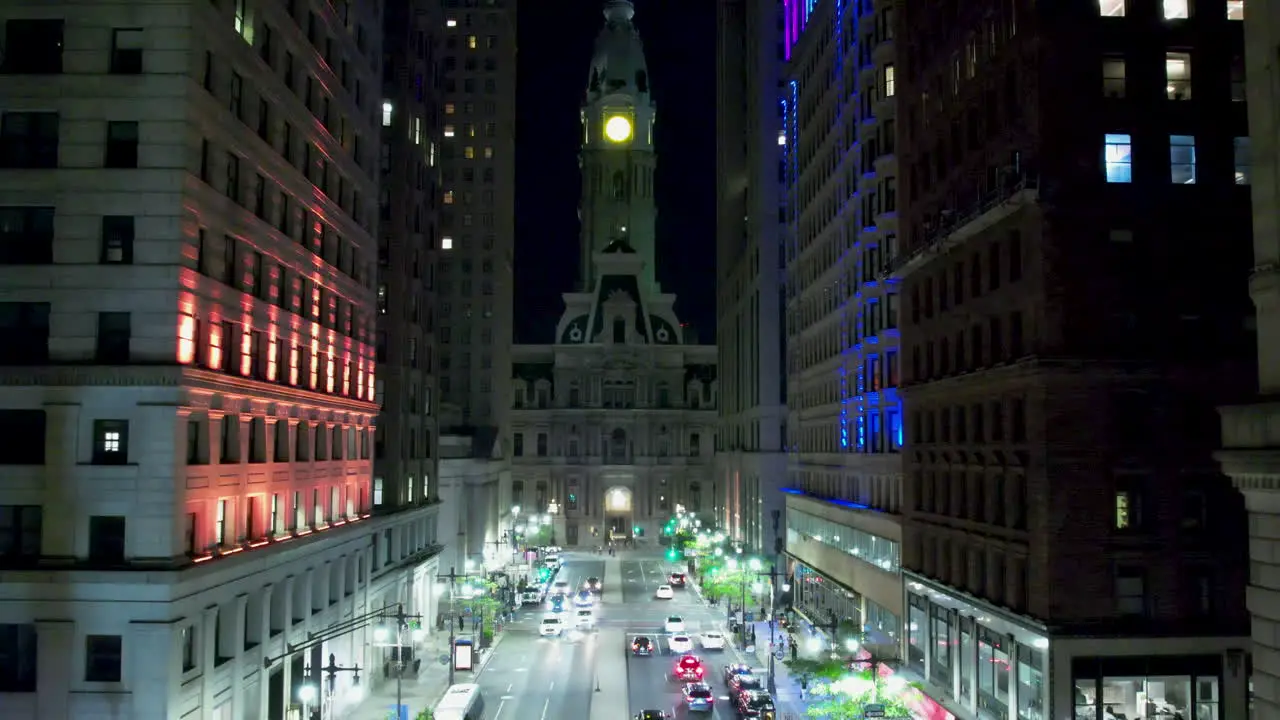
point(553, 562)
point(664, 592)
point(560, 587)
point(584, 619)
point(712, 640)
point(680, 644)
point(551, 625)
point(674, 624)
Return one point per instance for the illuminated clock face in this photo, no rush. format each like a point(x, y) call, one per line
point(618, 129)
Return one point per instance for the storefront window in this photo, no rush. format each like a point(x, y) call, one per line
point(1086, 699)
point(882, 622)
point(878, 551)
point(993, 675)
point(966, 656)
point(1153, 697)
point(1030, 683)
point(917, 628)
point(1207, 698)
point(941, 646)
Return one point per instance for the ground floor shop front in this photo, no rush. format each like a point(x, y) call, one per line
point(1000, 666)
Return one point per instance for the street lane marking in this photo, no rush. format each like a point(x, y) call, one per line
point(545, 707)
point(553, 686)
point(499, 710)
point(509, 686)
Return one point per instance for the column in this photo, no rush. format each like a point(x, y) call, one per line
point(151, 649)
point(972, 702)
point(55, 662)
point(239, 615)
point(1235, 687)
point(957, 657)
point(264, 635)
point(207, 646)
point(1015, 650)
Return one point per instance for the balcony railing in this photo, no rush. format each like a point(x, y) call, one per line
point(955, 228)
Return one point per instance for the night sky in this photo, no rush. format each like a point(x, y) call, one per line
point(555, 45)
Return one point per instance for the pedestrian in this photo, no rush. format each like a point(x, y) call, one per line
point(795, 654)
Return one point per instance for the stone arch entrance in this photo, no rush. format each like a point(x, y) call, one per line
point(618, 512)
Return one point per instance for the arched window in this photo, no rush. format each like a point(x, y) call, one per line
point(619, 330)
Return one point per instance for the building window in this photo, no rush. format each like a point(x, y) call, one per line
point(110, 442)
point(1111, 8)
point(1177, 75)
point(1117, 158)
point(1182, 159)
point(21, 529)
point(446, 243)
point(114, 334)
point(377, 491)
point(1243, 160)
point(126, 51)
point(18, 658)
point(889, 84)
point(230, 439)
point(1235, 9)
point(188, 648)
point(1130, 591)
point(117, 239)
point(542, 444)
point(517, 445)
point(1128, 507)
point(1113, 77)
point(1176, 9)
point(26, 235)
point(103, 658)
point(107, 539)
point(122, 145)
point(195, 442)
point(28, 140)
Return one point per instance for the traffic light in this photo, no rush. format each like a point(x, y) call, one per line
point(672, 555)
point(639, 531)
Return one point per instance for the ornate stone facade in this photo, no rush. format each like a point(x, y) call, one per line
point(613, 424)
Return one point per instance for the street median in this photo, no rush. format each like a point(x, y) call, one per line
point(610, 681)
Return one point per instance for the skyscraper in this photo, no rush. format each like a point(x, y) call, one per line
point(405, 456)
point(477, 170)
point(613, 424)
point(1248, 430)
point(187, 271)
point(750, 462)
point(1069, 333)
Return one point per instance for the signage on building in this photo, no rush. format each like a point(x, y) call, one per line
point(463, 655)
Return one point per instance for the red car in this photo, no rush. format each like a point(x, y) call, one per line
point(677, 579)
point(689, 669)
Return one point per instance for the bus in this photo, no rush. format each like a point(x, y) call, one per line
point(461, 702)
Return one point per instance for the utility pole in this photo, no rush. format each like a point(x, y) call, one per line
point(452, 577)
point(774, 574)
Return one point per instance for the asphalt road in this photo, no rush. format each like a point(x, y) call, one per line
point(534, 678)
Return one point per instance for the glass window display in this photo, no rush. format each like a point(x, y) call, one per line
point(1030, 683)
point(1151, 698)
point(993, 674)
point(1086, 699)
point(1207, 698)
point(966, 656)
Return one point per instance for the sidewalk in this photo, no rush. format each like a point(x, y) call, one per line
point(421, 692)
point(788, 698)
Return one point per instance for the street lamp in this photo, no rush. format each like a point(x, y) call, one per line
point(307, 694)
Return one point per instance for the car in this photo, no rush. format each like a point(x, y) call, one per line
point(733, 669)
point(556, 602)
point(584, 598)
point(530, 597)
point(552, 561)
point(651, 715)
point(561, 587)
point(739, 684)
point(641, 645)
point(664, 592)
point(584, 619)
point(689, 668)
point(698, 697)
point(712, 640)
point(674, 624)
point(680, 644)
point(755, 704)
point(677, 579)
point(592, 584)
point(550, 625)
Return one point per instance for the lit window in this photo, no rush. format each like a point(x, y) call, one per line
point(1111, 8)
point(377, 482)
point(386, 114)
point(471, 129)
point(1124, 509)
point(1176, 9)
point(1242, 155)
point(446, 243)
point(1235, 9)
point(1117, 158)
point(471, 42)
point(782, 138)
point(451, 23)
point(448, 197)
point(1177, 72)
point(417, 131)
point(1182, 159)
point(244, 21)
point(449, 131)
point(888, 80)
point(1113, 77)
point(449, 108)
point(469, 152)
point(488, 153)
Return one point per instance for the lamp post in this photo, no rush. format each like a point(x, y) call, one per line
point(515, 538)
point(452, 577)
point(774, 574)
point(401, 620)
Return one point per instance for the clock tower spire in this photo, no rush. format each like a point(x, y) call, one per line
point(618, 159)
